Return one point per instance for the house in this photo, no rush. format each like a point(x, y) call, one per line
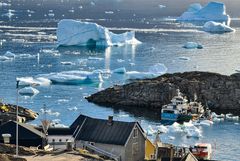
point(150, 150)
point(58, 137)
point(123, 141)
point(27, 134)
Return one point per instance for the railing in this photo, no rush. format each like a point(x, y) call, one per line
point(103, 152)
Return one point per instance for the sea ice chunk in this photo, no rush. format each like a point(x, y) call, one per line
point(213, 11)
point(30, 81)
point(158, 69)
point(28, 91)
point(9, 54)
point(74, 77)
point(71, 32)
point(162, 129)
point(4, 58)
point(192, 45)
point(217, 27)
point(120, 70)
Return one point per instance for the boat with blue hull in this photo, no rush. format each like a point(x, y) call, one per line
point(180, 110)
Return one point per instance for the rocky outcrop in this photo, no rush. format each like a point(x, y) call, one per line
point(6, 157)
point(218, 92)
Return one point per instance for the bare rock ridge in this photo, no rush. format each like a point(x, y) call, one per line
point(218, 92)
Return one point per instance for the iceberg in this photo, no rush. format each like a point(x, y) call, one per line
point(192, 45)
point(158, 69)
point(9, 54)
point(28, 91)
point(216, 27)
point(30, 81)
point(213, 11)
point(78, 33)
point(120, 70)
point(74, 77)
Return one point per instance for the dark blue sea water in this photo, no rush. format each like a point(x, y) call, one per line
point(31, 30)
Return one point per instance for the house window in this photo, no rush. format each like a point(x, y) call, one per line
point(135, 148)
point(135, 133)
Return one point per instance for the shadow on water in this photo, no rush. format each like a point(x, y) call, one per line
point(84, 49)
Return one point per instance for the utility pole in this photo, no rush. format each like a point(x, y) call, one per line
point(17, 119)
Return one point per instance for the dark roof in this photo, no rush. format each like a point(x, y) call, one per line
point(26, 131)
point(57, 130)
point(98, 130)
point(78, 121)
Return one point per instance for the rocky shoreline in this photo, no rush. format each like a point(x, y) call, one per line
point(221, 93)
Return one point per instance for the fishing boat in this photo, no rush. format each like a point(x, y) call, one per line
point(202, 151)
point(180, 110)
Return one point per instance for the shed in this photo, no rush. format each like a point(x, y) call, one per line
point(27, 134)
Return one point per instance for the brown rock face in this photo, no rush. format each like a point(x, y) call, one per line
point(218, 92)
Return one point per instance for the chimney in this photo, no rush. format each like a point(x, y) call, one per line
point(110, 120)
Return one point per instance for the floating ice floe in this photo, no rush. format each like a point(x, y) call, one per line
point(217, 118)
point(73, 108)
point(28, 91)
point(206, 122)
point(30, 81)
point(161, 6)
point(139, 75)
point(175, 128)
point(216, 27)
point(4, 4)
point(120, 70)
point(71, 32)
point(192, 45)
point(9, 54)
point(94, 58)
point(184, 58)
point(74, 77)
point(109, 12)
point(151, 131)
point(162, 129)
point(9, 14)
point(67, 63)
point(158, 69)
point(231, 117)
point(50, 112)
point(26, 56)
point(171, 137)
point(191, 130)
point(5, 58)
point(213, 11)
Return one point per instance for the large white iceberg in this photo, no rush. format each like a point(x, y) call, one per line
point(71, 32)
point(216, 27)
point(213, 11)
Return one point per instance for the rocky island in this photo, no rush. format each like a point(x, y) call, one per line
point(221, 93)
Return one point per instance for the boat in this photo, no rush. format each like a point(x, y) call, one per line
point(8, 112)
point(180, 110)
point(202, 151)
